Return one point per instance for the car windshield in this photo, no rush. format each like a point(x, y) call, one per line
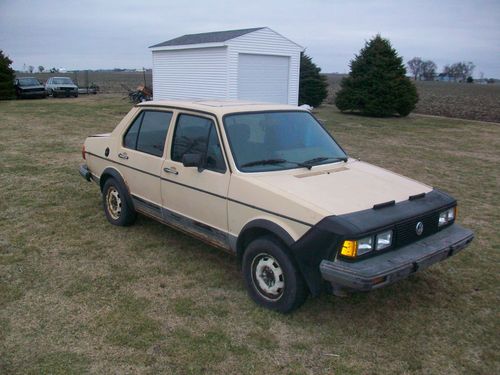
point(269, 141)
point(62, 81)
point(28, 82)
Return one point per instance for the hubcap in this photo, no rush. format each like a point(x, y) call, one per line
point(268, 276)
point(114, 203)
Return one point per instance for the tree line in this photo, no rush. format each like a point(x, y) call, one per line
point(427, 70)
point(41, 69)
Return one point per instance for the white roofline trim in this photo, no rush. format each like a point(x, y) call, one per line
point(189, 46)
point(302, 49)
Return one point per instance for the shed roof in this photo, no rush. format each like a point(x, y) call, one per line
point(212, 37)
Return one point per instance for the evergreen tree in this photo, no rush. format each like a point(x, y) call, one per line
point(377, 84)
point(6, 77)
point(313, 88)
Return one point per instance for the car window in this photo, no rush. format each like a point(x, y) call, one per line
point(198, 135)
point(148, 132)
point(130, 139)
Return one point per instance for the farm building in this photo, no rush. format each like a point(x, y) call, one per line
point(250, 64)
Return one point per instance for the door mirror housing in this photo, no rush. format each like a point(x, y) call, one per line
point(192, 160)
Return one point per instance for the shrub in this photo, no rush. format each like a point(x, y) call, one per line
point(6, 77)
point(377, 84)
point(313, 88)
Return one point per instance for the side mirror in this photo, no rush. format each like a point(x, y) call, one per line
point(191, 160)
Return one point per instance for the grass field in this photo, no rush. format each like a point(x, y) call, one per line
point(78, 295)
point(449, 99)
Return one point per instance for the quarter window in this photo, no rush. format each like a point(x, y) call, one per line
point(148, 132)
point(198, 135)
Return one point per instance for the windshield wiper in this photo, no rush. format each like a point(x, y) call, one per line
point(319, 159)
point(306, 164)
point(264, 162)
point(275, 161)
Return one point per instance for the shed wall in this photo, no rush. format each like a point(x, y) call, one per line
point(190, 73)
point(264, 42)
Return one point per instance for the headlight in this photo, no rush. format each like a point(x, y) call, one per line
point(354, 248)
point(383, 240)
point(447, 216)
point(365, 245)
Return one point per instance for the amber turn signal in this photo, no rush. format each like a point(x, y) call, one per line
point(349, 248)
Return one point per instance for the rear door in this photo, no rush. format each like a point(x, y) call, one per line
point(195, 198)
point(141, 153)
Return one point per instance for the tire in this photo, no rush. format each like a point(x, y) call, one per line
point(76, 95)
point(271, 277)
point(117, 205)
point(52, 93)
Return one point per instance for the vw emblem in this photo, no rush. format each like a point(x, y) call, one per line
point(419, 229)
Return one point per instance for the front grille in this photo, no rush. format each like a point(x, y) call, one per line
point(405, 233)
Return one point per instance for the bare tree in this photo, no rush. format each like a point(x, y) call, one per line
point(415, 66)
point(459, 71)
point(41, 68)
point(469, 68)
point(428, 70)
point(31, 68)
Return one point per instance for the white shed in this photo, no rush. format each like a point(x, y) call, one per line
point(250, 64)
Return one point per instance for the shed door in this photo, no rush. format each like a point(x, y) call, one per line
point(263, 78)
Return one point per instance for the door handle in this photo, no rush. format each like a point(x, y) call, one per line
point(171, 170)
point(123, 155)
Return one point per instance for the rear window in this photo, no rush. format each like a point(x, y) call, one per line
point(148, 132)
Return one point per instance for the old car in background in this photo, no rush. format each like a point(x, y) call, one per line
point(268, 183)
point(61, 86)
point(29, 87)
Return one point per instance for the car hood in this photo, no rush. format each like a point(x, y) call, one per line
point(341, 188)
point(64, 85)
point(32, 87)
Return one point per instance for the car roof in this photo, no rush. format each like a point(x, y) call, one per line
point(221, 107)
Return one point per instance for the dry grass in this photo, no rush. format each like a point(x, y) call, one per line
point(78, 295)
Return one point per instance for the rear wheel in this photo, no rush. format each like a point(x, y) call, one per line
point(116, 207)
point(271, 277)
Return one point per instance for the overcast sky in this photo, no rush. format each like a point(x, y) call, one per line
point(107, 34)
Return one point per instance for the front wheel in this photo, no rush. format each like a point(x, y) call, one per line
point(116, 207)
point(272, 279)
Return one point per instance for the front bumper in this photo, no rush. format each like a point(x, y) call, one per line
point(33, 94)
point(65, 92)
point(392, 266)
